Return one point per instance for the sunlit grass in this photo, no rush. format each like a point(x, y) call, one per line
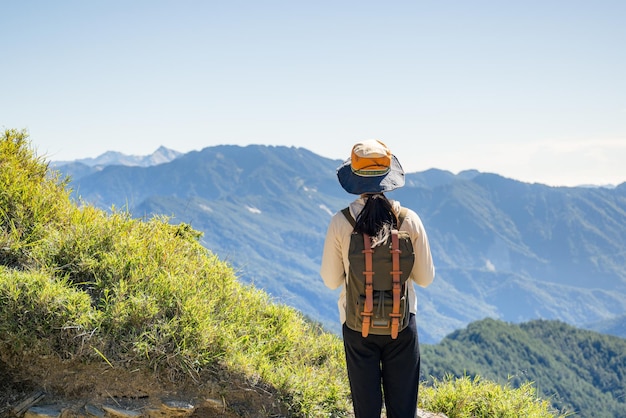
point(466, 397)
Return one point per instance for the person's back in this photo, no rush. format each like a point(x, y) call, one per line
point(374, 359)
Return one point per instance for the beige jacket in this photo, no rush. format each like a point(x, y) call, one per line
point(335, 265)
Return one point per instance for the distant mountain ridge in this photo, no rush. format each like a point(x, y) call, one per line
point(503, 249)
point(160, 156)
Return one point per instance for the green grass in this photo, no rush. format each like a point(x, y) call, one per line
point(467, 397)
point(84, 284)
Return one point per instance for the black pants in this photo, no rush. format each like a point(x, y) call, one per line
point(395, 363)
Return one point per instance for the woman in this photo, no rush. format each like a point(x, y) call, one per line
point(377, 364)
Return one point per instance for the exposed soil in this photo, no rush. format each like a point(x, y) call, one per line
point(76, 384)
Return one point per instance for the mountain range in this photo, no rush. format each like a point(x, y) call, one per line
point(503, 249)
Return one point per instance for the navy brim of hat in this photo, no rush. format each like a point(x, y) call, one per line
point(355, 184)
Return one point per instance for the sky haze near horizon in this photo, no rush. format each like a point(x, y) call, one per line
point(531, 90)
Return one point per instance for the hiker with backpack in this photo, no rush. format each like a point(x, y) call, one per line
point(377, 250)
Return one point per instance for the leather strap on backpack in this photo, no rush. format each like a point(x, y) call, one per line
point(368, 308)
point(396, 274)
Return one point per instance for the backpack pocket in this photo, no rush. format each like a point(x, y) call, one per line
point(381, 314)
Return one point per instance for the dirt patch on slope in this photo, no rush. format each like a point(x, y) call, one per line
point(76, 384)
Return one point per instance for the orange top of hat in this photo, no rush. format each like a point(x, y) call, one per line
point(370, 158)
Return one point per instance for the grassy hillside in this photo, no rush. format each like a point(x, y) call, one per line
point(80, 286)
point(578, 370)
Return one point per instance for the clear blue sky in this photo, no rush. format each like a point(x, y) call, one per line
point(530, 89)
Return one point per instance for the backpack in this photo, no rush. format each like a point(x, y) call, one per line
point(377, 292)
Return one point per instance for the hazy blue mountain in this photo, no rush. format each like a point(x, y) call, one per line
point(85, 166)
point(503, 249)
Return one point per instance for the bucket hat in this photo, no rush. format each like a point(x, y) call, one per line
point(371, 168)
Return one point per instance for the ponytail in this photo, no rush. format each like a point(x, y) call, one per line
point(377, 218)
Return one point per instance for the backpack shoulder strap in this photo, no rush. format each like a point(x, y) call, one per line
point(401, 216)
point(348, 215)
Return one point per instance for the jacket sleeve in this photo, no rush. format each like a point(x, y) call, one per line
point(423, 271)
point(332, 269)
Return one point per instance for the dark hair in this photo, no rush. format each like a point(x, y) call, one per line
point(377, 218)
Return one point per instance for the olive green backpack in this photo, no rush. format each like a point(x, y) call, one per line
point(377, 292)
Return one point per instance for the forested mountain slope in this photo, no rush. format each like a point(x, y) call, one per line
point(580, 370)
